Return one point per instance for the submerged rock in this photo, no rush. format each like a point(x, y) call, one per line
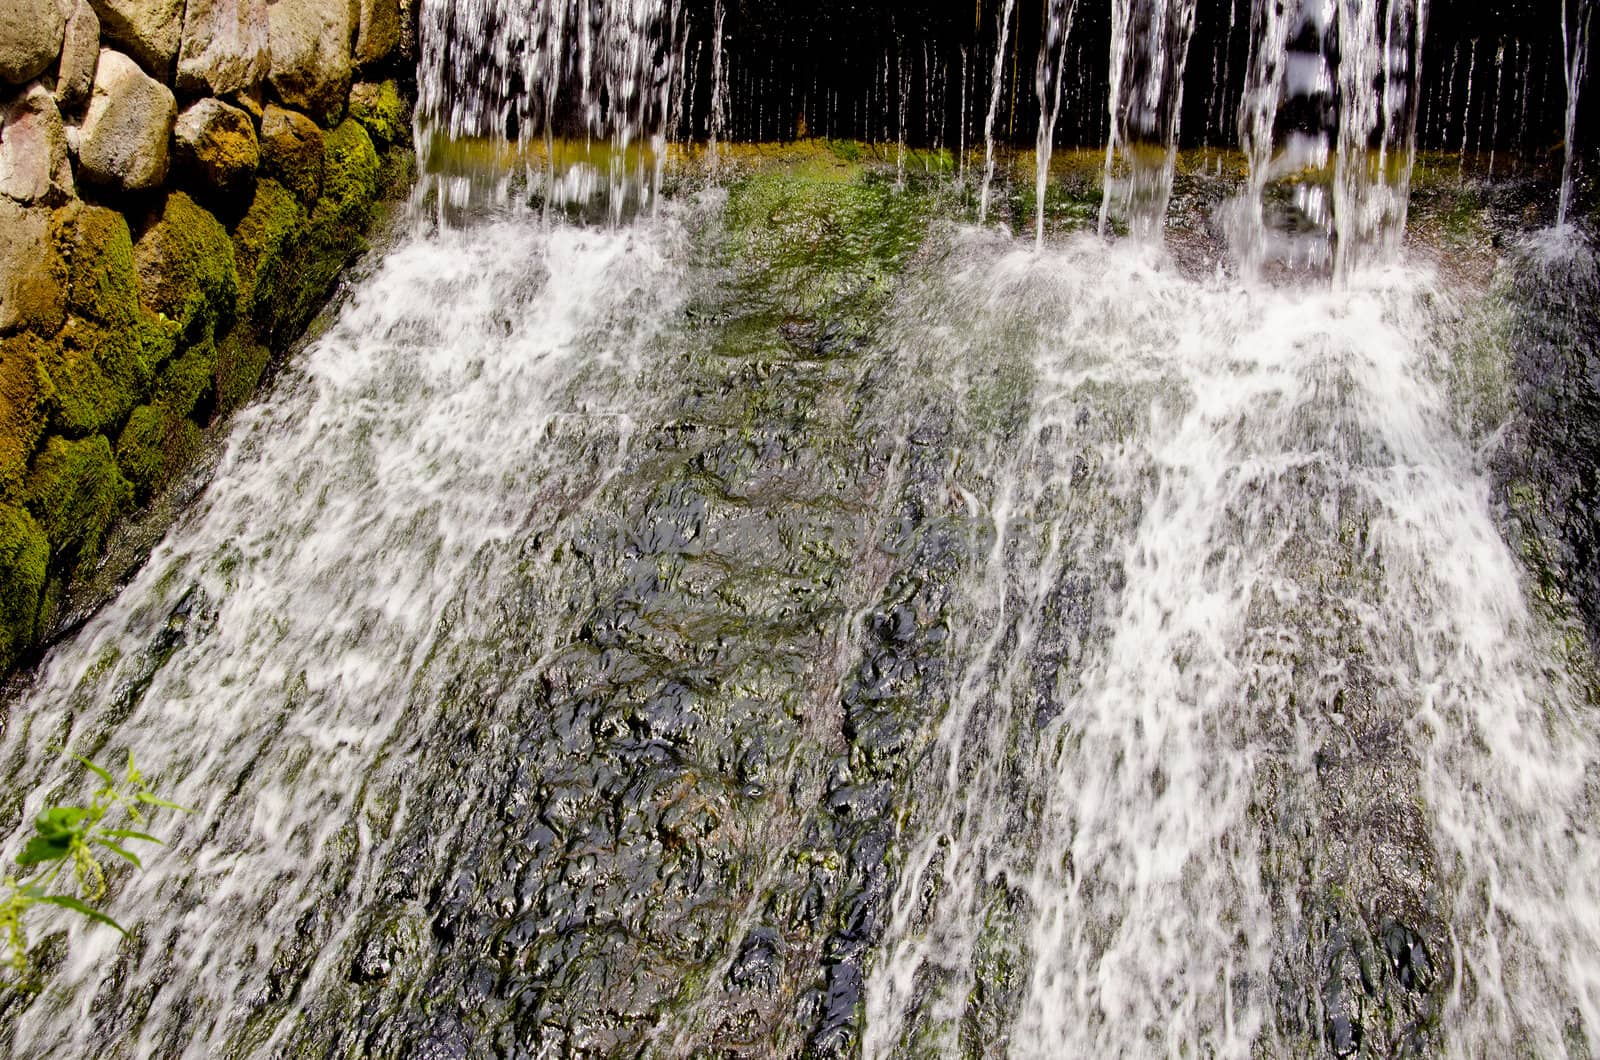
point(124, 140)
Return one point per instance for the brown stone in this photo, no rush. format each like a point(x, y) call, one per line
point(224, 49)
point(148, 30)
point(216, 144)
point(30, 38)
point(310, 47)
point(79, 55)
point(292, 151)
point(377, 31)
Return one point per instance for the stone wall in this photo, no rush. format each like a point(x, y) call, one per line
point(181, 182)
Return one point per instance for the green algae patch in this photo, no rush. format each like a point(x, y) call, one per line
point(24, 565)
point(24, 394)
point(76, 492)
point(812, 241)
point(186, 267)
point(102, 281)
point(380, 109)
point(264, 241)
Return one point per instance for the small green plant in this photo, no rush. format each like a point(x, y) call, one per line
point(73, 837)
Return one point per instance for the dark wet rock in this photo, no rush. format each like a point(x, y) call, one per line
point(1546, 475)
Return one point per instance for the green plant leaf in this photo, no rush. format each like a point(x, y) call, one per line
point(60, 821)
point(101, 773)
point(119, 852)
point(42, 848)
point(146, 797)
point(128, 833)
point(82, 907)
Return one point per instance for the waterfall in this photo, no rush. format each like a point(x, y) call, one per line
point(997, 83)
point(784, 617)
point(1575, 28)
point(518, 75)
point(1048, 78)
point(1329, 130)
point(1149, 49)
point(294, 655)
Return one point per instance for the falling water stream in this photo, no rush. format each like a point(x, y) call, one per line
point(796, 620)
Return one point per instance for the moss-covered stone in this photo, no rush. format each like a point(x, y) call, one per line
point(380, 110)
point(102, 283)
point(98, 374)
point(24, 392)
point(186, 267)
point(163, 435)
point(240, 362)
point(333, 235)
point(76, 492)
point(32, 275)
point(155, 445)
point(24, 563)
point(263, 242)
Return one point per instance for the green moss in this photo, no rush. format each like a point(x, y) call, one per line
point(240, 362)
point(76, 492)
point(186, 267)
point(24, 393)
point(380, 110)
point(24, 562)
point(349, 179)
point(155, 445)
point(162, 436)
point(263, 242)
point(102, 283)
point(98, 373)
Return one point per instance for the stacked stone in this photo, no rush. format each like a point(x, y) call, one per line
point(181, 182)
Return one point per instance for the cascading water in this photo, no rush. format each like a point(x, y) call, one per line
point(1329, 130)
point(1577, 16)
point(293, 650)
point(1149, 49)
point(520, 75)
point(1048, 81)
